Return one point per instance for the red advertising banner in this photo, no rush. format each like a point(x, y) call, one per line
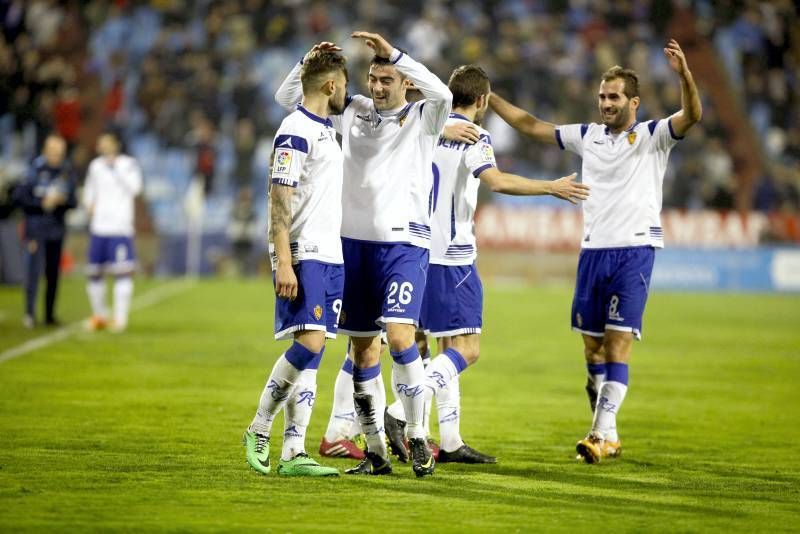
point(542, 228)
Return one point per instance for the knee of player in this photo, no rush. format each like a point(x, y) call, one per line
point(471, 355)
point(595, 354)
point(399, 340)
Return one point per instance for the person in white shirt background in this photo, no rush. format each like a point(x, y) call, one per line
point(112, 183)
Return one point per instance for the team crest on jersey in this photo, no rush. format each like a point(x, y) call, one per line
point(631, 138)
point(317, 312)
point(487, 152)
point(283, 162)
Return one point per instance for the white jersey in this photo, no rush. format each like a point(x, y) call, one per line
point(456, 168)
point(625, 173)
point(386, 196)
point(308, 158)
point(109, 192)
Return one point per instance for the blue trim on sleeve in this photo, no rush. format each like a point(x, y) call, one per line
point(291, 141)
point(420, 109)
point(558, 139)
point(652, 126)
point(398, 58)
point(347, 100)
point(284, 181)
point(584, 129)
point(477, 172)
point(486, 139)
point(672, 132)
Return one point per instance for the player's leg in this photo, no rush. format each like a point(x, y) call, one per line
point(342, 424)
point(595, 366)
point(34, 258)
point(588, 317)
point(370, 402)
point(294, 459)
point(52, 264)
point(618, 346)
point(455, 294)
point(301, 321)
point(123, 268)
point(297, 415)
point(448, 404)
point(95, 284)
point(626, 296)
point(402, 272)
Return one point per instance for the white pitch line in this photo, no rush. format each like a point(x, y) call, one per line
point(154, 296)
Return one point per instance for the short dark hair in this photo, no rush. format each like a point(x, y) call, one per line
point(380, 61)
point(320, 63)
point(628, 76)
point(467, 83)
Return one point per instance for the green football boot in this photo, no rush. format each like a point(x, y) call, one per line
point(257, 446)
point(303, 466)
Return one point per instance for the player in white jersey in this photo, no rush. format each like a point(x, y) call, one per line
point(112, 183)
point(306, 251)
point(388, 147)
point(453, 304)
point(624, 161)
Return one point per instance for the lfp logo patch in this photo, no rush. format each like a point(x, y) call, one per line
point(487, 152)
point(283, 161)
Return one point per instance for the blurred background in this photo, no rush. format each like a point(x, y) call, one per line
point(189, 87)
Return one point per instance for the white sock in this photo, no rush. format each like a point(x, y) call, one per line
point(370, 402)
point(409, 375)
point(96, 289)
point(279, 385)
point(448, 408)
point(441, 371)
point(343, 413)
point(605, 414)
point(298, 414)
point(123, 292)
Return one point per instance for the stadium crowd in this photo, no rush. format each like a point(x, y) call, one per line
point(198, 78)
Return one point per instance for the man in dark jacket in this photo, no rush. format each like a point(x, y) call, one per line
point(45, 195)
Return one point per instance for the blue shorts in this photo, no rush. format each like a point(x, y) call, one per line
point(453, 303)
point(318, 302)
point(611, 290)
point(112, 254)
point(385, 283)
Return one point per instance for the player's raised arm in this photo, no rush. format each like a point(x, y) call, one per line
point(691, 108)
point(565, 188)
point(290, 93)
point(522, 121)
point(438, 98)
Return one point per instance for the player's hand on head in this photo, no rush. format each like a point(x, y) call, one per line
point(324, 46)
point(675, 57)
point(568, 189)
point(462, 131)
point(285, 282)
point(380, 45)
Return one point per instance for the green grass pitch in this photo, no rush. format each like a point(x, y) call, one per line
point(142, 431)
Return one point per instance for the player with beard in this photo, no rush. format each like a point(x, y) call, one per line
point(624, 161)
point(306, 252)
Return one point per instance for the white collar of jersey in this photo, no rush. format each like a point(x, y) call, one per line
point(392, 112)
point(634, 125)
point(316, 118)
